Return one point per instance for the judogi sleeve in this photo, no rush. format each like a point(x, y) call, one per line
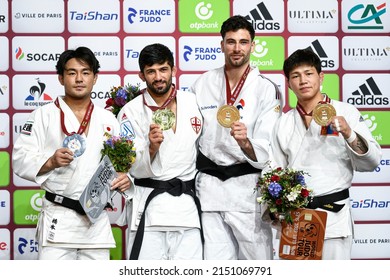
point(29, 152)
point(370, 160)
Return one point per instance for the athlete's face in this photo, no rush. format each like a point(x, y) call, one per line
point(78, 79)
point(237, 47)
point(305, 82)
point(158, 78)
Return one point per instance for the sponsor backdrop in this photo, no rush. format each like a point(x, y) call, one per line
point(351, 37)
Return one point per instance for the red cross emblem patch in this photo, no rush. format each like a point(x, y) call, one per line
point(196, 124)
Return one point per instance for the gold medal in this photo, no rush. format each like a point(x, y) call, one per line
point(323, 112)
point(227, 115)
point(165, 118)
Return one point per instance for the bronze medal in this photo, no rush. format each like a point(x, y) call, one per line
point(227, 115)
point(323, 112)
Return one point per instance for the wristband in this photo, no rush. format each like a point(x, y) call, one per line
point(352, 137)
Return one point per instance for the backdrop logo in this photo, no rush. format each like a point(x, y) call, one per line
point(187, 52)
point(366, 52)
point(27, 204)
point(312, 15)
point(132, 14)
point(27, 246)
point(262, 19)
point(268, 53)
point(92, 16)
point(202, 16)
point(316, 47)
point(200, 53)
point(371, 122)
point(368, 94)
point(203, 11)
point(145, 15)
point(19, 54)
point(366, 17)
point(377, 122)
point(370, 203)
point(37, 95)
point(261, 49)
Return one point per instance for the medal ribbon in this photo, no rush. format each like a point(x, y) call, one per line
point(166, 103)
point(302, 111)
point(231, 98)
point(84, 123)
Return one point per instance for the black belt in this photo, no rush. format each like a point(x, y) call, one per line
point(205, 165)
point(65, 201)
point(175, 187)
point(327, 201)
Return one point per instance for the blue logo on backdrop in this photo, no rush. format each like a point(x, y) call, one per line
point(93, 15)
point(370, 203)
point(200, 53)
point(27, 246)
point(147, 15)
point(382, 163)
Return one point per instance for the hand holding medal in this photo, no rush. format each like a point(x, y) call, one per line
point(227, 115)
point(323, 113)
point(165, 118)
point(75, 141)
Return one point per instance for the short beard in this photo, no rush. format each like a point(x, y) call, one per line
point(161, 92)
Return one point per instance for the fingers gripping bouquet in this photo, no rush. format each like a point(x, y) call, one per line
point(284, 190)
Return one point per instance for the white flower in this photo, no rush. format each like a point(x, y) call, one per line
point(292, 195)
point(259, 199)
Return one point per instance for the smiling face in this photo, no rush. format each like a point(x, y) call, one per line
point(306, 82)
point(78, 79)
point(158, 78)
point(237, 47)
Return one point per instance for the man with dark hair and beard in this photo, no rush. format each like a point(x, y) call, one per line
point(163, 214)
point(239, 107)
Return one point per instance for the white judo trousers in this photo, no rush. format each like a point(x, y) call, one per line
point(231, 216)
point(42, 134)
point(166, 215)
point(330, 162)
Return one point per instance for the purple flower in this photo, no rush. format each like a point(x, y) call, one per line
point(120, 101)
point(274, 189)
point(121, 93)
point(110, 142)
point(300, 179)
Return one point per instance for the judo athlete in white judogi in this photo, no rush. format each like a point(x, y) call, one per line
point(329, 153)
point(64, 231)
point(231, 158)
point(162, 215)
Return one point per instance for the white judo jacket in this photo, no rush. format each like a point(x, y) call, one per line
point(40, 137)
point(259, 107)
point(176, 158)
point(329, 160)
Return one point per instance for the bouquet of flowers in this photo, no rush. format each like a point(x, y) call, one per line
point(284, 190)
point(120, 150)
point(120, 96)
